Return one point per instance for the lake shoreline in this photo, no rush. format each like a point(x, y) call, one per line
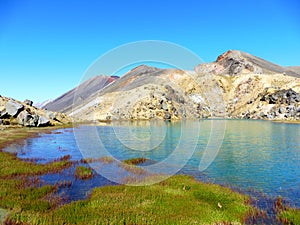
point(29, 134)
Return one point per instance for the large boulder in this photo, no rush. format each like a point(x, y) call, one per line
point(23, 118)
point(26, 119)
point(43, 121)
point(13, 108)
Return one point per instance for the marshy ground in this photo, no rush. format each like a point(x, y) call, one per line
point(24, 199)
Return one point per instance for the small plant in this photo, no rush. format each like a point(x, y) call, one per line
point(83, 172)
point(106, 159)
point(135, 161)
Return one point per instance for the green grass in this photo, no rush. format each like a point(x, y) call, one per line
point(290, 216)
point(11, 166)
point(83, 172)
point(20, 189)
point(168, 202)
point(135, 161)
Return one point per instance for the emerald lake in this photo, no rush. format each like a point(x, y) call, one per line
point(254, 156)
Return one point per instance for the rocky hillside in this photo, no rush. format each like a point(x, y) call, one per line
point(236, 85)
point(79, 94)
point(13, 112)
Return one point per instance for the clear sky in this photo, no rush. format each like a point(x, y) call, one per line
point(46, 46)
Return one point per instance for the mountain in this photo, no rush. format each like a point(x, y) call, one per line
point(42, 104)
point(77, 95)
point(236, 85)
point(295, 69)
point(235, 62)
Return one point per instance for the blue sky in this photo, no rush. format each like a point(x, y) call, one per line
point(46, 46)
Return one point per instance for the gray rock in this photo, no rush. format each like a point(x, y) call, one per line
point(270, 116)
point(13, 108)
point(291, 108)
point(51, 115)
point(43, 121)
point(28, 102)
point(181, 100)
point(273, 99)
point(24, 118)
point(167, 116)
point(247, 115)
point(34, 121)
point(164, 106)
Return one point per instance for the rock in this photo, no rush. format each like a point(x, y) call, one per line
point(51, 115)
point(167, 116)
point(281, 96)
point(28, 102)
point(23, 118)
point(181, 100)
point(273, 99)
point(3, 115)
point(165, 106)
point(151, 106)
point(26, 119)
point(247, 115)
point(13, 108)
point(281, 110)
point(1, 121)
point(250, 101)
point(43, 121)
point(34, 121)
point(270, 116)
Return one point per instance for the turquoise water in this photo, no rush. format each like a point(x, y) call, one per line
point(258, 156)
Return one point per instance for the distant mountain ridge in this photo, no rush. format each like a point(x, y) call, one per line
point(236, 85)
point(295, 69)
point(65, 102)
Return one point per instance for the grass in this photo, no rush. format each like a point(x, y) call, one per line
point(83, 172)
point(135, 161)
point(168, 202)
point(20, 189)
point(290, 216)
point(177, 200)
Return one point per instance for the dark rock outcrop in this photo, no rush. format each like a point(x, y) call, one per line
point(282, 97)
point(234, 63)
